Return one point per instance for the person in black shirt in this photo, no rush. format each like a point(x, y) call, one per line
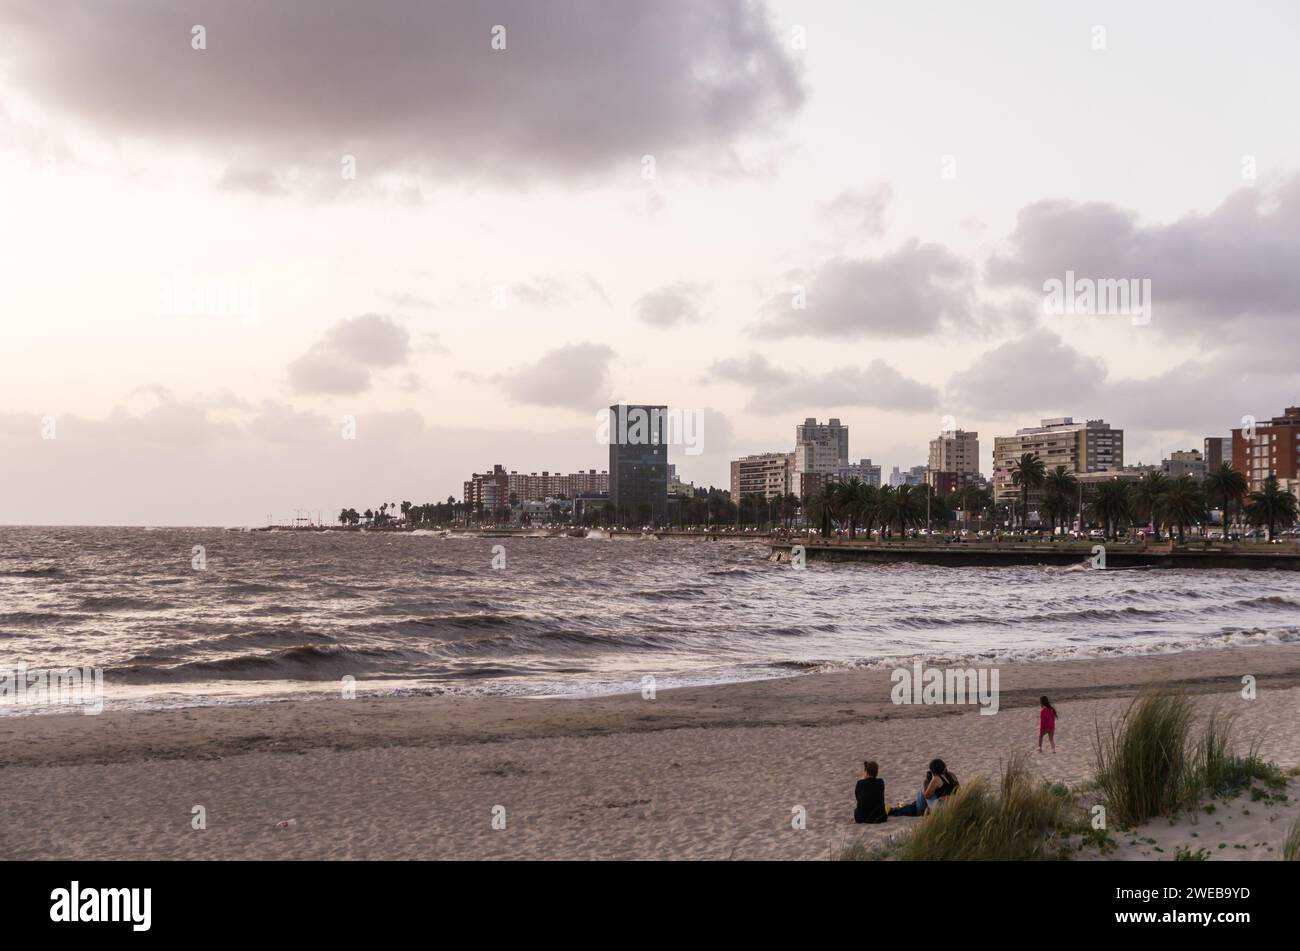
point(870, 793)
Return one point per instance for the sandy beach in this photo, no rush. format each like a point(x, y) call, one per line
point(706, 772)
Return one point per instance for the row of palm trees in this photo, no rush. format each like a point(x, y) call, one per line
point(856, 504)
point(1174, 505)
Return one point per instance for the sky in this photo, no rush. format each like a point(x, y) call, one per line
point(269, 258)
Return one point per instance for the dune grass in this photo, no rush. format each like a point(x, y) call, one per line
point(1291, 845)
point(1143, 763)
point(1017, 820)
point(1149, 763)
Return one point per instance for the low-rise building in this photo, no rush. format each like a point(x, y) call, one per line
point(769, 475)
point(1185, 463)
point(1091, 446)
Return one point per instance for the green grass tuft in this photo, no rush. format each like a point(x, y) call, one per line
point(1143, 767)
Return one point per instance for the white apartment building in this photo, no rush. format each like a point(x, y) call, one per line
point(1091, 446)
point(770, 475)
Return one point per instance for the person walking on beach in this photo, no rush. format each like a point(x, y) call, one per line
point(1046, 723)
point(870, 794)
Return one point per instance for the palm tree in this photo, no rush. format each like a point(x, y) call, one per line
point(1270, 505)
point(1062, 489)
point(1112, 505)
point(789, 506)
point(1148, 497)
point(823, 507)
point(1228, 486)
point(846, 502)
point(1183, 504)
point(886, 506)
point(908, 508)
point(1028, 472)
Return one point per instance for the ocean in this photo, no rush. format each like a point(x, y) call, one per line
point(205, 616)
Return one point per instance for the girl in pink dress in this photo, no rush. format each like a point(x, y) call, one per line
point(1046, 723)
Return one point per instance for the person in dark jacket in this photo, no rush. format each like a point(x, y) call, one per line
point(870, 793)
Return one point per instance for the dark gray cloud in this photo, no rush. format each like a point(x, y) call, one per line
point(914, 291)
point(779, 390)
point(1041, 376)
point(340, 363)
point(1233, 270)
point(411, 85)
point(575, 376)
point(1037, 373)
point(671, 304)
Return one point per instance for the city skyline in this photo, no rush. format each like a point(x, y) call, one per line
point(767, 213)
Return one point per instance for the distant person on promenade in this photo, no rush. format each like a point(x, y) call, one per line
point(938, 785)
point(870, 794)
point(1046, 723)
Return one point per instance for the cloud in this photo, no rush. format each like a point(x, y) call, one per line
point(554, 292)
point(862, 210)
point(1036, 373)
point(1234, 270)
point(777, 390)
point(671, 304)
point(575, 376)
point(414, 87)
point(340, 363)
point(917, 290)
point(1039, 376)
point(200, 462)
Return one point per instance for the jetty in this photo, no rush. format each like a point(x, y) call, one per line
point(1003, 554)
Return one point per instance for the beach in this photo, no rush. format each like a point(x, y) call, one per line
point(710, 772)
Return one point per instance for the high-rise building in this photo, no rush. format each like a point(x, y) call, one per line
point(1270, 448)
point(912, 476)
point(1218, 450)
point(1185, 463)
point(864, 470)
point(954, 459)
point(638, 463)
point(820, 450)
point(1092, 446)
point(533, 486)
point(768, 475)
point(486, 492)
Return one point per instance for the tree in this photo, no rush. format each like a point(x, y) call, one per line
point(1183, 505)
point(909, 507)
point(1028, 472)
point(822, 507)
point(1062, 490)
point(1148, 498)
point(1112, 505)
point(1271, 505)
point(849, 502)
point(1228, 486)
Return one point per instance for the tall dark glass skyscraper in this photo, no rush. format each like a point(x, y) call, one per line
point(638, 464)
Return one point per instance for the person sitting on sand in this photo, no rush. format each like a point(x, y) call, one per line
point(939, 784)
point(1046, 723)
point(870, 794)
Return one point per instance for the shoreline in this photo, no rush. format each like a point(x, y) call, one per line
point(699, 772)
point(225, 693)
point(815, 700)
